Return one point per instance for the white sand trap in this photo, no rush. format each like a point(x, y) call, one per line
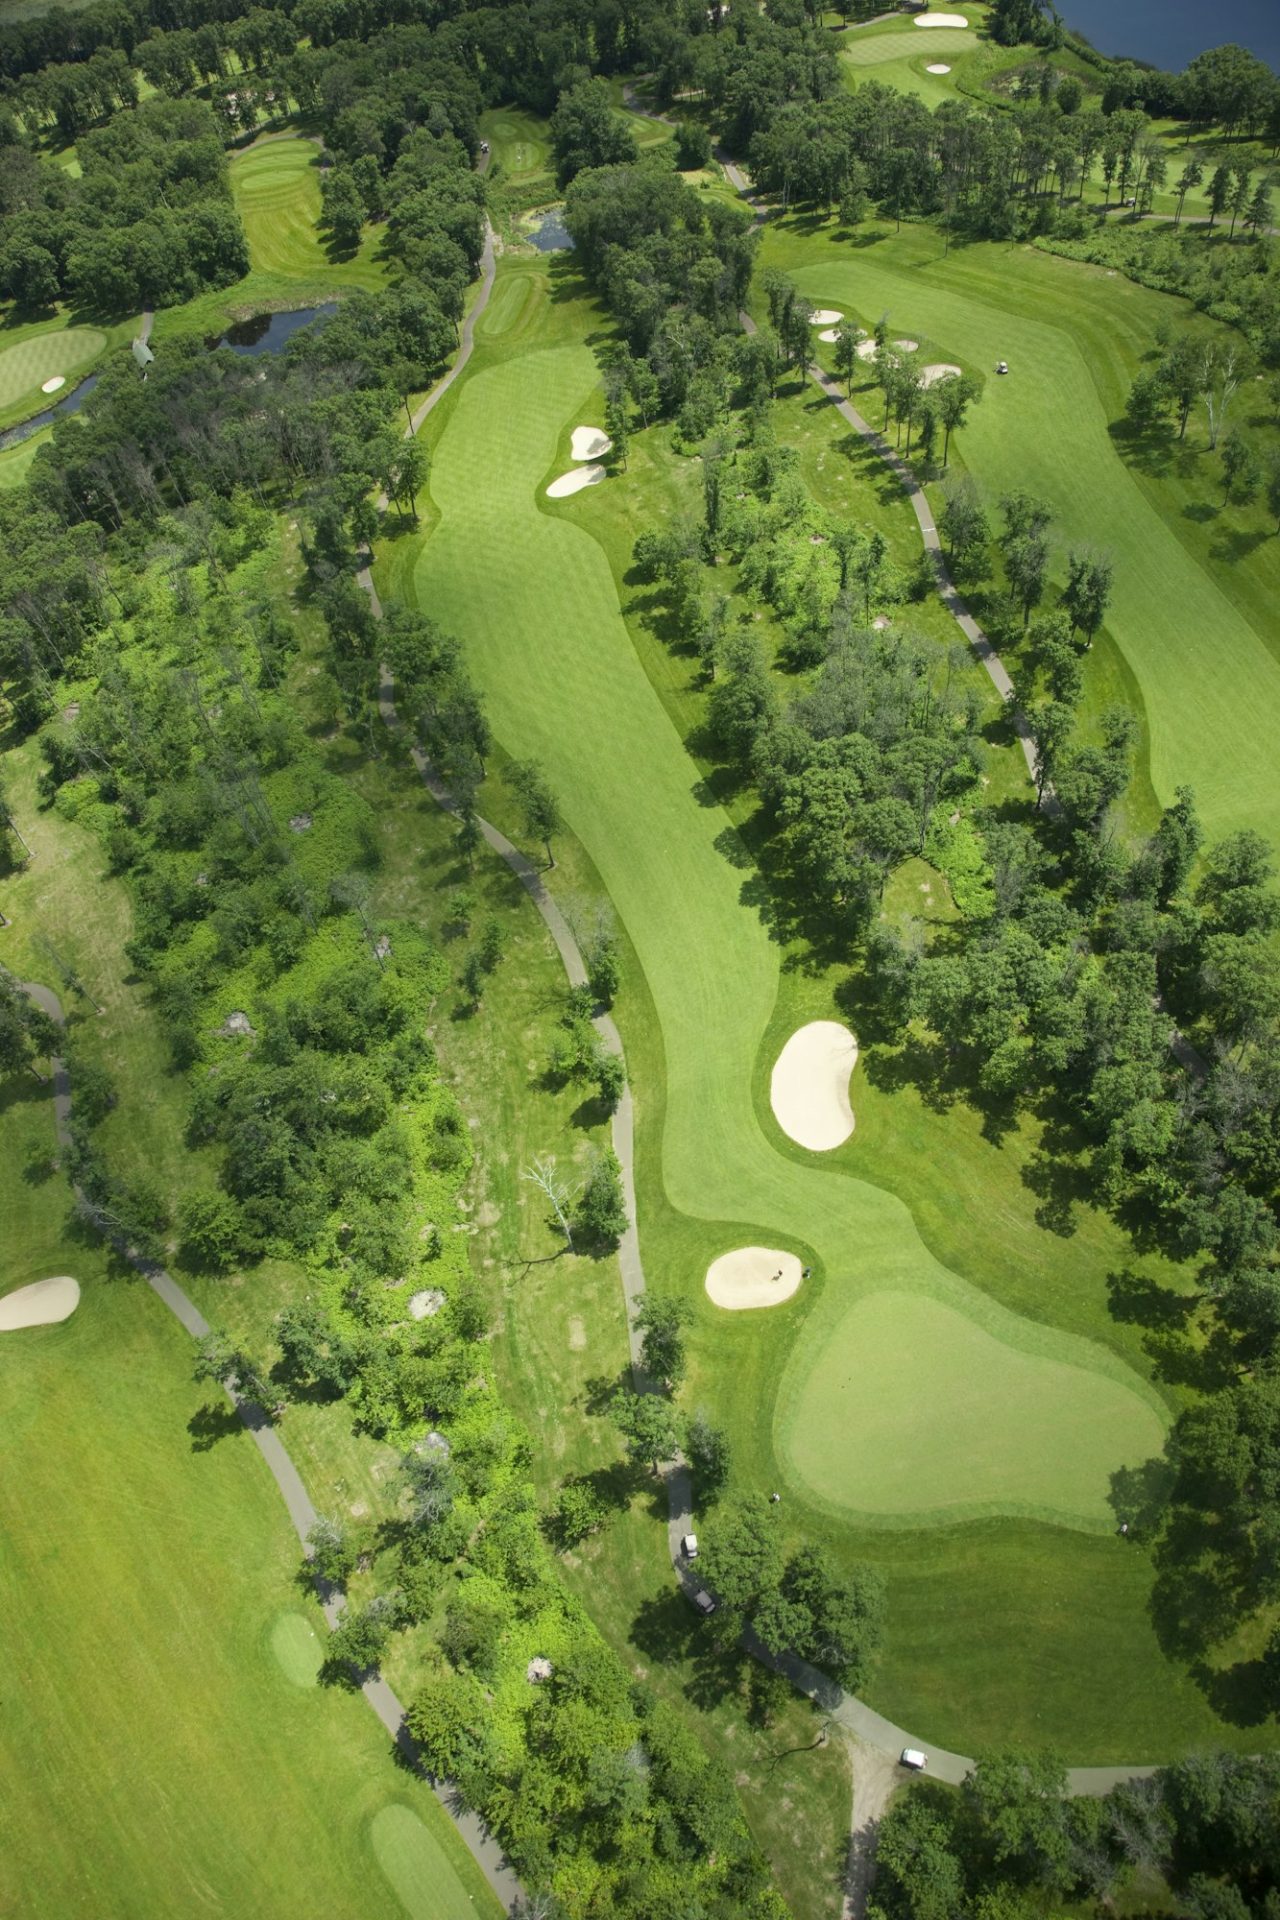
point(589, 443)
point(749, 1277)
point(937, 66)
point(940, 370)
point(941, 20)
point(829, 334)
point(809, 1091)
point(51, 386)
point(905, 346)
point(43, 1304)
point(867, 349)
point(825, 317)
point(574, 482)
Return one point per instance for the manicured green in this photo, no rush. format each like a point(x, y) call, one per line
point(1195, 590)
point(24, 368)
point(907, 1408)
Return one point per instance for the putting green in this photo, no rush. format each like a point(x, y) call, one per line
point(424, 1882)
point(24, 368)
point(906, 1410)
point(1199, 634)
point(563, 683)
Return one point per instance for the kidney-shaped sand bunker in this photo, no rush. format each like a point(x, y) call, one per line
point(809, 1090)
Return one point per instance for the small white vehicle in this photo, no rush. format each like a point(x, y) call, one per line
point(689, 1546)
point(1002, 366)
point(913, 1758)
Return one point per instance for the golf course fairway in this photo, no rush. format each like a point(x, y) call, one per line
point(1200, 639)
point(534, 598)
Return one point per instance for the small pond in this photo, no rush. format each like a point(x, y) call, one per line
point(268, 332)
point(550, 234)
point(264, 333)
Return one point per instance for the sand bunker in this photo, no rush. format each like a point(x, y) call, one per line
point(809, 1091)
point(904, 346)
point(51, 386)
point(940, 370)
point(574, 482)
point(589, 443)
point(43, 1304)
point(753, 1277)
point(825, 317)
point(937, 67)
point(829, 334)
point(941, 20)
point(867, 349)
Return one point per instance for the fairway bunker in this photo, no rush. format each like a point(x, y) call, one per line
point(809, 1088)
point(42, 1304)
point(753, 1277)
point(825, 317)
point(939, 370)
point(589, 443)
point(941, 20)
point(52, 386)
point(937, 66)
point(575, 482)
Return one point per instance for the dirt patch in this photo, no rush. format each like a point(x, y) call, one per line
point(577, 1333)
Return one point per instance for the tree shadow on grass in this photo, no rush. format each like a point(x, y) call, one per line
point(1239, 1694)
point(208, 1425)
point(666, 1628)
point(1139, 1301)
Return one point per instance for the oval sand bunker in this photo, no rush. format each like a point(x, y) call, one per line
point(752, 1277)
point(43, 1304)
point(937, 67)
point(825, 317)
point(940, 370)
point(52, 385)
point(809, 1090)
point(589, 443)
point(574, 482)
point(941, 20)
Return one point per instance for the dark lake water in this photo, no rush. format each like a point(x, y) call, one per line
point(265, 333)
point(551, 234)
point(1169, 33)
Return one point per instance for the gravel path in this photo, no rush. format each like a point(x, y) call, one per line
point(487, 1853)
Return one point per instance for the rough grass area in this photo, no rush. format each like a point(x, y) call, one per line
point(159, 1748)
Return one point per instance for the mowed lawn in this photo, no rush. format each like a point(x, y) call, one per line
point(164, 1747)
point(276, 183)
point(41, 353)
point(534, 597)
point(1193, 609)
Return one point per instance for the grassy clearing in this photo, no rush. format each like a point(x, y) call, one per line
point(1198, 635)
point(157, 1749)
point(605, 709)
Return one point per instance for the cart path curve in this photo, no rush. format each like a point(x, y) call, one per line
point(485, 1850)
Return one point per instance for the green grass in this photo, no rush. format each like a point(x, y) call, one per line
point(606, 709)
point(906, 1408)
point(68, 351)
point(1195, 588)
point(161, 1747)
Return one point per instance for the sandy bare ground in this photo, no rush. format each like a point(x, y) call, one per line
point(809, 1090)
point(753, 1277)
point(939, 370)
point(574, 482)
point(43, 1304)
point(875, 1777)
point(589, 443)
point(826, 317)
